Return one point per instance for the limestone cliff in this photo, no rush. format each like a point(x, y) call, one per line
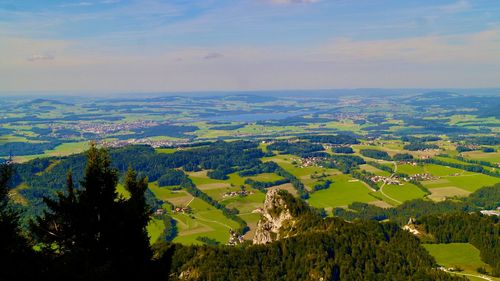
point(276, 219)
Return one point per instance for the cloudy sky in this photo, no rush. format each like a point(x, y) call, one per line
point(196, 45)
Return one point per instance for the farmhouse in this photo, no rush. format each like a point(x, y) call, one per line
point(237, 193)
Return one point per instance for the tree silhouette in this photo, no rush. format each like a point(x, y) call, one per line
point(92, 233)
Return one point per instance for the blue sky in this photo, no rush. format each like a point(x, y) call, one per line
point(182, 45)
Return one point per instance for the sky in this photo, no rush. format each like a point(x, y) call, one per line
point(229, 45)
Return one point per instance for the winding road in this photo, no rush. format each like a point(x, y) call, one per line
point(382, 187)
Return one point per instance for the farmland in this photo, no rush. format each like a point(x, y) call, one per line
point(458, 255)
point(177, 125)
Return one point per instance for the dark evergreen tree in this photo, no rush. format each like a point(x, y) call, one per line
point(17, 258)
point(92, 233)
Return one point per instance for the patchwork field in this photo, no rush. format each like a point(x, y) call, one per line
point(493, 157)
point(206, 221)
point(175, 197)
point(441, 193)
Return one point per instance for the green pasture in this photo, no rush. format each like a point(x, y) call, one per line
point(468, 181)
point(404, 192)
point(462, 255)
point(155, 229)
point(342, 192)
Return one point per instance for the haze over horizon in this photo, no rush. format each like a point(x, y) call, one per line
point(214, 45)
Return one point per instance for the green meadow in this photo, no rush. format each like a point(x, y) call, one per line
point(343, 191)
point(462, 255)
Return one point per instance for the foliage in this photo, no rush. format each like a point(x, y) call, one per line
point(414, 146)
point(171, 177)
point(295, 148)
point(481, 231)
point(344, 163)
point(343, 149)
point(377, 154)
point(332, 139)
point(330, 250)
point(402, 157)
point(88, 231)
point(322, 185)
point(462, 148)
point(19, 262)
point(486, 197)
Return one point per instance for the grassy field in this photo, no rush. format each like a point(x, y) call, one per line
point(404, 192)
point(204, 221)
point(64, 149)
point(166, 150)
point(438, 170)
point(155, 229)
point(462, 255)
point(371, 169)
point(410, 169)
point(441, 193)
point(342, 192)
point(175, 197)
point(246, 204)
point(467, 181)
point(286, 161)
point(266, 177)
point(493, 157)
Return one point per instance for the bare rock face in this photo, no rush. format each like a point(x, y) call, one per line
point(275, 219)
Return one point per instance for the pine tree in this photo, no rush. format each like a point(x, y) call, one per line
point(18, 260)
point(133, 242)
point(93, 233)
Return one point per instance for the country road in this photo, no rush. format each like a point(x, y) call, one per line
point(382, 187)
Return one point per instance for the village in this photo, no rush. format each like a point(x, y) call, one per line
point(145, 141)
point(395, 180)
point(241, 193)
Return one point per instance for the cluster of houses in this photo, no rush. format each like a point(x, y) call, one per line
point(145, 141)
point(310, 161)
point(421, 177)
point(100, 128)
point(237, 193)
point(386, 180)
point(397, 181)
point(235, 238)
point(412, 163)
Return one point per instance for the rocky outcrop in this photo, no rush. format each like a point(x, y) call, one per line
point(411, 227)
point(275, 219)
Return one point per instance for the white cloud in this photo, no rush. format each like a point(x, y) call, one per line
point(435, 61)
point(40, 57)
point(479, 47)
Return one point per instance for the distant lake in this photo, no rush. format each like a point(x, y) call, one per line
point(253, 117)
